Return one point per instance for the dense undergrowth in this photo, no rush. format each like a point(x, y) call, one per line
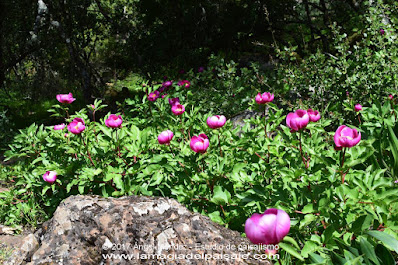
point(343, 204)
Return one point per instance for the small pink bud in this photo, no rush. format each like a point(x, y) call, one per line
point(178, 109)
point(114, 121)
point(200, 143)
point(50, 177)
point(297, 120)
point(165, 137)
point(65, 98)
point(167, 83)
point(153, 96)
point(59, 127)
point(314, 115)
point(382, 32)
point(264, 98)
point(358, 107)
point(217, 121)
point(76, 126)
point(391, 97)
point(268, 228)
point(184, 83)
point(346, 137)
point(173, 101)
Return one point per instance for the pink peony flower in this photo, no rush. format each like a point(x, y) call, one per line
point(268, 228)
point(264, 98)
point(153, 96)
point(177, 109)
point(50, 177)
point(200, 143)
point(165, 137)
point(59, 126)
point(76, 126)
point(358, 107)
point(216, 121)
point(173, 101)
point(314, 115)
point(346, 137)
point(65, 98)
point(297, 120)
point(184, 83)
point(114, 121)
point(167, 83)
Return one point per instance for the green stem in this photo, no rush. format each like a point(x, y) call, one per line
point(88, 152)
point(265, 121)
point(219, 143)
point(342, 160)
point(301, 152)
point(182, 128)
point(117, 144)
point(67, 113)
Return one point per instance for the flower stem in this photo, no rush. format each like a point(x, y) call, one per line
point(219, 143)
point(117, 144)
point(182, 128)
point(342, 160)
point(171, 150)
point(88, 152)
point(301, 152)
point(342, 164)
point(265, 121)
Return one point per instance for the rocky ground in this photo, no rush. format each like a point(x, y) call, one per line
point(10, 238)
point(132, 230)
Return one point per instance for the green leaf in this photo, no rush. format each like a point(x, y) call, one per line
point(220, 196)
point(384, 255)
point(117, 179)
point(368, 250)
point(394, 149)
point(309, 247)
point(106, 131)
point(81, 189)
point(45, 189)
point(317, 259)
point(215, 217)
point(292, 241)
point(386, 239)
point(362, 223)
point(289, 249)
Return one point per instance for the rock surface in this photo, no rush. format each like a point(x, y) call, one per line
point(136, 230)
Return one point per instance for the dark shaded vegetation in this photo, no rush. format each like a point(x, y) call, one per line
point(85, 47)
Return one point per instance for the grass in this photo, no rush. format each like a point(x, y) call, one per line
point(5, 253)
